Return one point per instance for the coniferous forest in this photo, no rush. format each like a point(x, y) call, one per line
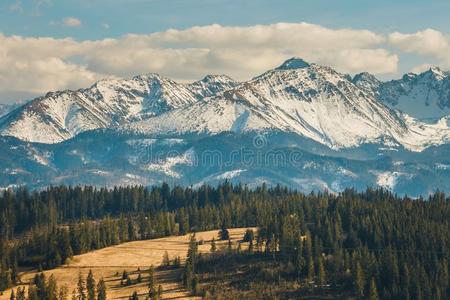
point(370, 244)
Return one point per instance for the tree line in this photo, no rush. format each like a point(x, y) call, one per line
point(363, 240)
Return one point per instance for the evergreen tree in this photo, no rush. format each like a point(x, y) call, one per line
point(223, 233)
point(52, 289)
point(321, 272)
point(32, 293)
point(90, 286)
point(248, 236)
point(101, 290)
point(152, 293)
point(21, 294)
point(311, 272)
point(81, 289)
point(373, 293)
point(359, 280)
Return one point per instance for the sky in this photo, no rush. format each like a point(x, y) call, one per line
point(48, 45)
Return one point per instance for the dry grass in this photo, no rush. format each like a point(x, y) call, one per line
point(110, 261)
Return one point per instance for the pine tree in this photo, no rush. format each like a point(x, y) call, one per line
point(41, 286)
point(81, 289)
point(249, 235)
point(311, 272)
point(21, 294)
point(32, 293)
point(373, 293)
point(223, 233)
point(192, 252)
point(151, 283)
point(101, 290)
point(52, 289)
point(321, 272)
point(359, 280)
point(90, 286)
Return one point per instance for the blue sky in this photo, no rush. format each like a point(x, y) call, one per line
point(35, 17)
point(387, 38)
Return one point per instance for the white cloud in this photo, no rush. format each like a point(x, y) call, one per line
point(41, 64)
point(106, 26)
point(421, 68)
point(72, 22)
point(428, 42)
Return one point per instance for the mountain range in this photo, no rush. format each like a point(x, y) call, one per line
point(344, 131)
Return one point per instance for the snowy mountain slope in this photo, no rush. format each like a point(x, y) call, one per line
point(311, 100)
point(90, 158)
point(425, 96)
point(61, 115)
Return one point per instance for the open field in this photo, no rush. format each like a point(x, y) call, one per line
point(110, 262)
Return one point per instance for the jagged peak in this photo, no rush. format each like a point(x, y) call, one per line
point(217, 77)
point(150, 76)
point(433, 72)
point(293, 63)
point(364, 76)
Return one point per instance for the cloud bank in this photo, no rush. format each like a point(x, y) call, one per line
point(429, 42)
point(38, 65)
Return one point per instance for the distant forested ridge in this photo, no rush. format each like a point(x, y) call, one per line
point(365, 240)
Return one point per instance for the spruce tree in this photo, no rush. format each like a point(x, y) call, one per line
point(21, 294)
point(359, 280)
point(223, 233)
point(151, 283)
point(321, 272)
point(90, 286)
point(101, 290)
point(52, 289)
point(81, 289)
point(373, 293)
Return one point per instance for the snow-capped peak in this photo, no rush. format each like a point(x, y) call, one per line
point(110, 102)
point(310, 100)
point(436, 73)
point(293, 63)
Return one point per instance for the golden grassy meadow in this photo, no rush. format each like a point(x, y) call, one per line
point(110, 262)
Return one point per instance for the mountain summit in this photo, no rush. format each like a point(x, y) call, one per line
point(310, 100)
point(344, 132)
point(293, 63)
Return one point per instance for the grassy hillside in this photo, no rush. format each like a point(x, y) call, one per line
point(110, 263)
